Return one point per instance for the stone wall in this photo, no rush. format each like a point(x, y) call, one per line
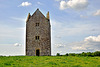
point(43, 31)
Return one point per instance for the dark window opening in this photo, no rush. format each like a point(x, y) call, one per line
point(37, 37)
point(48, 19)
point(37, 24)
point(37, 52)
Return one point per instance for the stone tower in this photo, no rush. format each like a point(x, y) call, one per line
point(38, 34)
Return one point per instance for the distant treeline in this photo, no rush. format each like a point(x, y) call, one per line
point(91, 54)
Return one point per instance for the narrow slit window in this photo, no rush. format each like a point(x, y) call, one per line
point(37, 37)
point(37, 24)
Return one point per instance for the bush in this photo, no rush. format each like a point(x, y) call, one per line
point(58, 54)
point(84, 54)
point(66, 54)
point(72, 54)
point(91, 54)
point(97, 53)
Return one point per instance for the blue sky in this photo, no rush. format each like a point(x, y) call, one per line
point(75, 25)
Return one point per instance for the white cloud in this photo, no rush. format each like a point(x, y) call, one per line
point(91, 43)
point(79, 48)
point(59, 45)
point(58, 36)
point(17, 44)
point(74, 4)
point(25, 4)
point(18, 19)
point(82, 16)
point(97, 13)
point(65, 33)
point(93, 38)
point(11, 50)
point(39, 3)
point(63, 29)
point(21, 28)
point(63, 5)
point(58, 0)
point(59, 51)
point(9, 34)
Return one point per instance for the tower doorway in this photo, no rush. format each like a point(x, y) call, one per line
point(37, 52)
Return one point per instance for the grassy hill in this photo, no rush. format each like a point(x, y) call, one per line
point(49, 61)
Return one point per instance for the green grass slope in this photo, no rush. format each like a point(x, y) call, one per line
point(49, 61)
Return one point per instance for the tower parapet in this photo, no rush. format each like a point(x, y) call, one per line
point(28, 17)
point(47, 16)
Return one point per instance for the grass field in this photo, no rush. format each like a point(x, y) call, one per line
point(49, 61)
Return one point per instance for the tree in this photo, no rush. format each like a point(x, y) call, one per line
point(89, 54)
point(97, 53)
point(84, 54)
point(71, 54)
point(66, 54)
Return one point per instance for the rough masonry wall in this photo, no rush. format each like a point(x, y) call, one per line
point(43, 31)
